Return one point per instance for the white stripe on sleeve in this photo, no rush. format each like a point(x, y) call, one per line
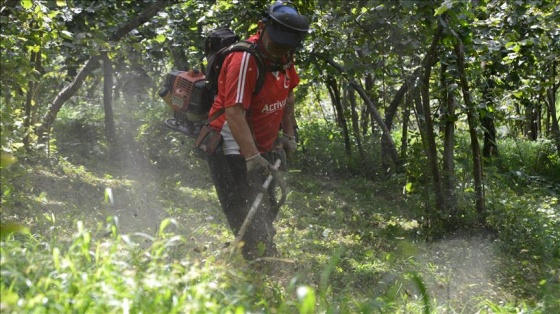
point(242, 77)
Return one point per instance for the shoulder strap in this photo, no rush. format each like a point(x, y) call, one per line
point(251, 48)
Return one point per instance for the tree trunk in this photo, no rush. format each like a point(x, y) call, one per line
point(365, 113)
point(377, 116)
point(405, 119)
point(64, 95)
point(28, 105)
point(449, 118)
point(92, 63)
point(180, 60)
point(555, 129)
point(334, 91)
point(355, 124)
point(475, 147)
point(140, 19)
point(397, 100)
point(530, 130)
point(108, 101)
point(431, 148)
point(551, 96)
point(490, 147)
point(419, 111)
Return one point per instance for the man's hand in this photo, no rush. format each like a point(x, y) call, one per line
point(289, 144)
point(258, 169)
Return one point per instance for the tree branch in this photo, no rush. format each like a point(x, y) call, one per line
point(65, 94)
point(93, 63)
point(379, 120)
point(371, 106)
point(142, 18)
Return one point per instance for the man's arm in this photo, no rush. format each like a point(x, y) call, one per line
point(288, 119)
point(235, 116)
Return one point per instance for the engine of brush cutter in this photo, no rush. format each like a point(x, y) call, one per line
point(187, 94)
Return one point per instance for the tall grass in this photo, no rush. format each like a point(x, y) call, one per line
point(530, 158)
point(114, 274)
point(101, 271)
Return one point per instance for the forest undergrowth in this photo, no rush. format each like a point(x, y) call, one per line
point(142, 231)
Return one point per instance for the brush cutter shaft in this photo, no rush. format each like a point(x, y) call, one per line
point(254, 207)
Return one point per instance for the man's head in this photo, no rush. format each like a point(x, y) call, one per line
point(284, 24)
point(283, 29)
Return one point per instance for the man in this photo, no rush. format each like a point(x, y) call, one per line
point(251, 122)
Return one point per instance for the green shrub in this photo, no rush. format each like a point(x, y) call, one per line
point(533, 158)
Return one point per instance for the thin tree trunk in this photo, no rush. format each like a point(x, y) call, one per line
point(431, 148)
point(377, 116)
point(419, 111)
point(487, 119)
point(365, 114)
point(180, 60)
point(554, 128)
point(140, 19)
point(397, 100)
point(449, 149)
point(334, 91)
point(547, 124)
point(551, 96)
point(30, 102)
point(405, 120)
point(92, 63)
point(65, 94)
point(475, 147)
point(28, 105)
point(530, 129)
point(355, 124)
point(490, 148)
point(108, 100)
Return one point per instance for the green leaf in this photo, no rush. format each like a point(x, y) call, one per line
point(27, 4)
point(306, 297)
point(440, 10)
point(424, 296)
point(160, 38)
point(9, 228)
point(408, 187)
point(443, 8)
point(7, 159)
point(61, 3)
point(109, 196)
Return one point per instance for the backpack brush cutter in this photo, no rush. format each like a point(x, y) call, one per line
point(186, 92)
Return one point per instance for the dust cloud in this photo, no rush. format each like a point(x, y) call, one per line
point(466, 268)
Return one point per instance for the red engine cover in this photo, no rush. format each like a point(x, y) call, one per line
point(182, 89)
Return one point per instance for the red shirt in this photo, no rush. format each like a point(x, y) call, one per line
point(236, 84)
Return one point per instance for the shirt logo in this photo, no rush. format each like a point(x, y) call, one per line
point(274, 106)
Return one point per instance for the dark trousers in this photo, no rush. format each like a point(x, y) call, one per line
point(229, 174)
